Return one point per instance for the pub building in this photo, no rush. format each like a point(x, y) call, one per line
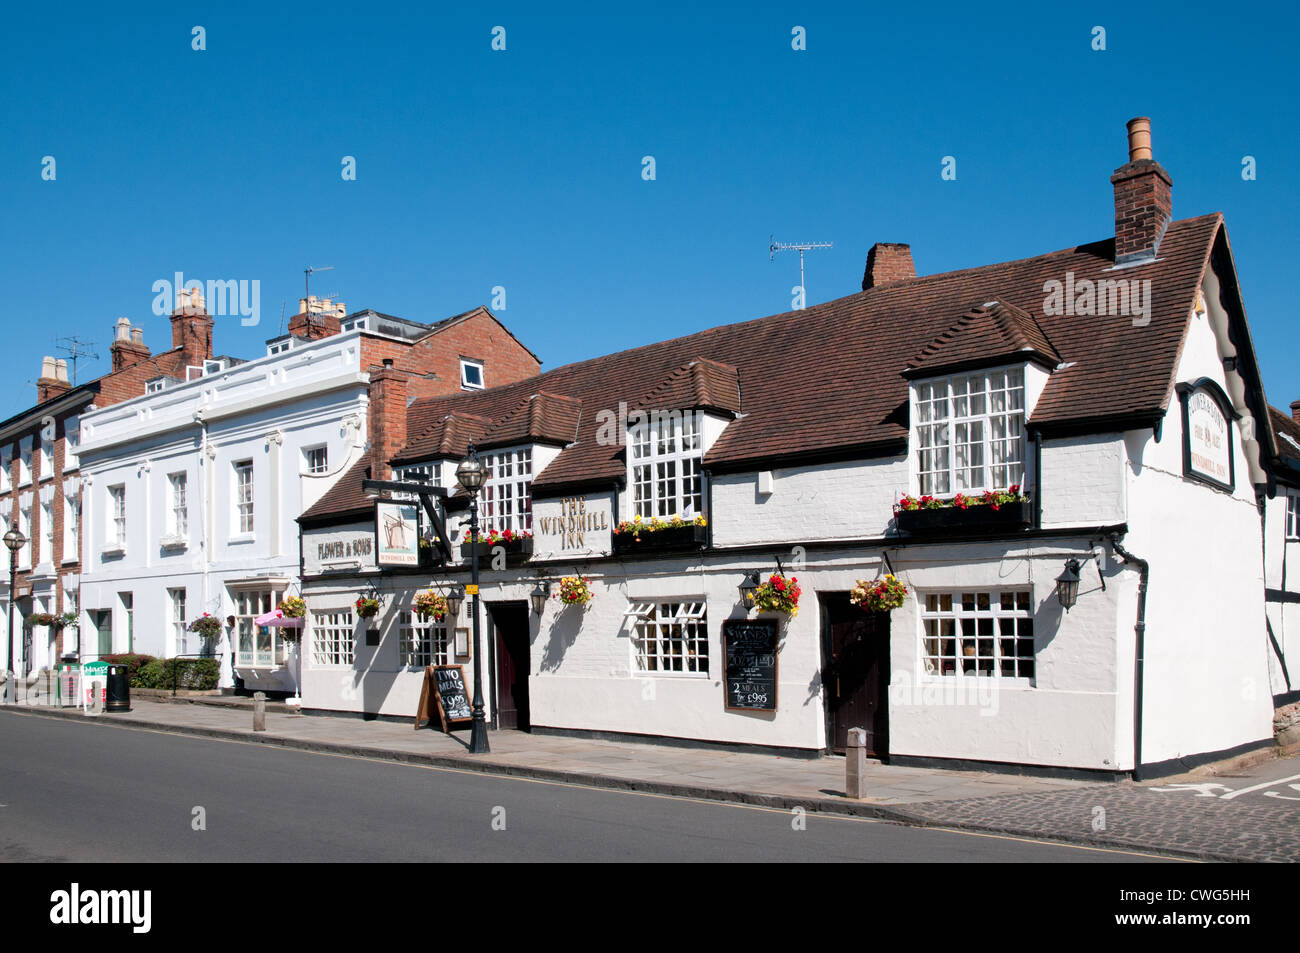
point(1063, 459)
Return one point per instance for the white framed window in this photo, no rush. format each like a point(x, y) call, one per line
point(116, 534)
point(46, 457)
point(25, 461)
point(178, 512)
point(670, 638)
point(213, 366)
point(353, 324)
point(176, 606)
point(71, 524)
point(665, 458)
point(471, 374)
point(244, 497)
point(6, 468)
point(424, 642)
point(279, 347)
point(257, 646)
point(45, 551)
point(969, 432)
point(25, 527)
point(155, 386)
point(426, 473)
point(1292, 514)
point(980, 634)
point(333, 638)
point(506, 501)
point(71, 441)
point(316, 460)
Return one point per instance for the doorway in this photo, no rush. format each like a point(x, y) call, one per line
point(855, 673)
point(102, 624)
point(509, 625)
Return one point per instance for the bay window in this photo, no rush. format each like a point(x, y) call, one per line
point(257, 646)
point(969, 431)
point(506, 501)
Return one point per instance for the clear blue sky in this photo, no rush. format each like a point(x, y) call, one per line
point(522, 168)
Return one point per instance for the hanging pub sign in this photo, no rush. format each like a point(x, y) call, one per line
point(749, 647)
point(397, 533)
point(1207, 433)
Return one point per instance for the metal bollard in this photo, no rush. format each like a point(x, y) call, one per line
point(259, 711)
point(855, 764)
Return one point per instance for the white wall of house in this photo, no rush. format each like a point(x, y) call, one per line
point(267, 411)
point(1282, 572)
point(1207, 683)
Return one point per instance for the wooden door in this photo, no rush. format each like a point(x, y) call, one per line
point(855, 673)
point(510, 625)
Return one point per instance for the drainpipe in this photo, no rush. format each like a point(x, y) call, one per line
point(1139, 631)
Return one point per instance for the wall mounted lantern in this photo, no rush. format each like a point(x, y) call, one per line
point(539, 595)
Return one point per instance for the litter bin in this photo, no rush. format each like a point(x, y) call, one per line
point(118, 690)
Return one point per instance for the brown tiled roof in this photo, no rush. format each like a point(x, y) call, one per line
point(987, 333)
point(698, 385)
point(540, 418)
point(829, 379)
point(1287, 432)
point(447, 436)
point(345, 497)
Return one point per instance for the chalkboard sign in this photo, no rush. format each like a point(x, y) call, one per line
point(750, 649)
point(444, 691)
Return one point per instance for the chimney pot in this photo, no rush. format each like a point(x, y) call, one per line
point(61, 369)
point(1143, 198)
point(1139, 138)
point(123, 329)
point(47, 368)
point(1295, 410)
point(137, 335)
point(388, 362)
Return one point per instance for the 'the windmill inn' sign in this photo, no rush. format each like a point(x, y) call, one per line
point(570, 527)
point(1207, 433)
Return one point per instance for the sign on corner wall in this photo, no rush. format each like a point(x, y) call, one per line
point(1207, 434)
point(397, 533)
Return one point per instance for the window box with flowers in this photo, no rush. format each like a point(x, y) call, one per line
point(993, 510)
point(518, 545)
point(674, 534)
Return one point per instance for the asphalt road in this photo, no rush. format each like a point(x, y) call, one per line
point(91, 793)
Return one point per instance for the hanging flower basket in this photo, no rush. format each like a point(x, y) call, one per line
point(207, 626)
point(293, 607)
point(69, 620)
point(40, 618)
point(778, 594)
point(431, 604)
point(574, 590)
point(367, 607)
point(879, 595)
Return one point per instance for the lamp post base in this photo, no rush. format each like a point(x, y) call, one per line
point(478, 738)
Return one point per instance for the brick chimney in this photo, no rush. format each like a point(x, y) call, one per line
point(192, 327)
point(317, 318)
point(1144, 203)
point(888, 263)
point(53, 380)
point(128, 345)
point(1295, 410)
point(388, 388)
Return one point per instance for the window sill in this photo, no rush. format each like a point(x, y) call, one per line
point(113, 550)
point(174, 543)
point(241, 539)
point(69, 560)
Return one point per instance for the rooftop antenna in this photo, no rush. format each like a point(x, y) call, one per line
point(774, 246)
point(282, 304)
point(306, 280)
point(76, 348)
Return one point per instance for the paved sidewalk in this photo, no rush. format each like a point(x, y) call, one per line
point(1196, 816)
point(815, 784)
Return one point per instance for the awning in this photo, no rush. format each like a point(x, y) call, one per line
point(275, 619)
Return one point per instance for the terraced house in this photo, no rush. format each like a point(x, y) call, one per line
point(1103, 611)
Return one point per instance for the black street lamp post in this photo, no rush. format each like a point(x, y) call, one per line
point(470, 475)
point(15, 540)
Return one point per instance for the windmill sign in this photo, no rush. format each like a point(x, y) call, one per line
point(397, 531)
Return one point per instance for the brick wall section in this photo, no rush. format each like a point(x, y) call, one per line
point(888, 263)
point(1143, 208)
point(313, 327)
point(192, 335)
point(388, 389)
point(434, 361)
point(126, 353)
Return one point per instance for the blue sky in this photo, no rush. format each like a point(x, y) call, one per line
point(477, 168)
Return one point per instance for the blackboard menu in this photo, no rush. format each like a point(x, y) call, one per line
point(451, 694)
point(750, 648)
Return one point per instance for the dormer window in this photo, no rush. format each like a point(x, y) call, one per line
point(155, 385)
point(279, 347)
point(665, 454)
point(471, 374)
point(213, 367)
point(353, 324)
point(969, 432)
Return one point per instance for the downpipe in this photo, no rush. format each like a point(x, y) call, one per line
point(1139, 648)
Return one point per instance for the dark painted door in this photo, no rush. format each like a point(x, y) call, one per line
point(855, 673)
point(510, 622)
